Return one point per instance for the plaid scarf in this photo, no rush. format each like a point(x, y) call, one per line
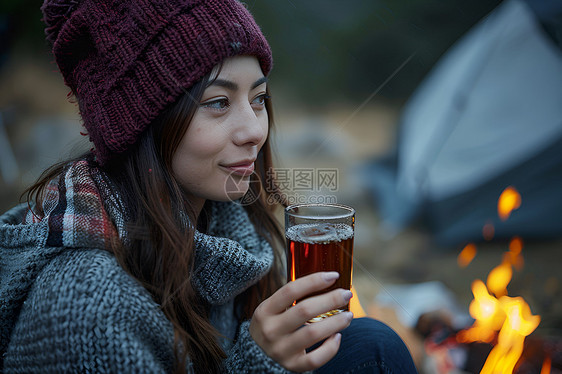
point(74, 209)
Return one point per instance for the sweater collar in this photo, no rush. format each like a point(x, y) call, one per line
point(80, 211)
point(232, 256)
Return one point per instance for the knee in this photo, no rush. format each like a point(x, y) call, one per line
point(374, 333)
point(385, 346)
point(370, 346)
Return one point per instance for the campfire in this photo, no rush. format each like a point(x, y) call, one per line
point(498, 341)
point(499, 319)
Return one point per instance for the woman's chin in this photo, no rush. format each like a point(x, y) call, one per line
point(234, 195)
point(235, 189)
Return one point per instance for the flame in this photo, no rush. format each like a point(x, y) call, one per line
point(499, 278)
point(519, 323)
point(509, 201)
point(488, 317)
point(355, 305)
point(546, 365)
point(496, 314)
point(516, 245)
point(467, 255)
point(508, 318)
point(515, 248)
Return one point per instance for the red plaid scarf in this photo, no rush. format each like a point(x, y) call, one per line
point(74, 210)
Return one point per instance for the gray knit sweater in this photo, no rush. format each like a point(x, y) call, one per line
point(72, 308)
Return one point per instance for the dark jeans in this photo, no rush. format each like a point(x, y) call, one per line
point(370, 346)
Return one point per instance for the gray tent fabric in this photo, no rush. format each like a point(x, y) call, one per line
point(488, 116)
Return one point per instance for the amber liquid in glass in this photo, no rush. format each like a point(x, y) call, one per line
point(321, 247)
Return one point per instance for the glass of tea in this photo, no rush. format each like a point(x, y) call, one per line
point(320, 238)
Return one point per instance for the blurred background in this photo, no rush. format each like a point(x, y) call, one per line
point(420, 114)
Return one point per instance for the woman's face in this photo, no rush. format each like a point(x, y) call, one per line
point(216, 156)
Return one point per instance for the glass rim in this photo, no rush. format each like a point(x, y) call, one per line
point(349, 211)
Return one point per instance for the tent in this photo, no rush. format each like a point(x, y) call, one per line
point(488, 116)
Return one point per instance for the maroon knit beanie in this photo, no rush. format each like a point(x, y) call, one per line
point(126, 61)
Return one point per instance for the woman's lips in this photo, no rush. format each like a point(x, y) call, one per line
point(243, 170)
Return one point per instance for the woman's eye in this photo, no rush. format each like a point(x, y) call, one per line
point(260, 99)
point(217, 104)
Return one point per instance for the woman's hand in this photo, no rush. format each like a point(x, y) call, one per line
point(281, 331)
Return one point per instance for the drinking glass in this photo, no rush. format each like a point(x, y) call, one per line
point(320, 238)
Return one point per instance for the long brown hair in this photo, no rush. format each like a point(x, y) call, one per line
point(159, 251)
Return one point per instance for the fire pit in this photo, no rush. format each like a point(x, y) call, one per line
point(497, 340)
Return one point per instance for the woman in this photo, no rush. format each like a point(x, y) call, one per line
point(138, 256)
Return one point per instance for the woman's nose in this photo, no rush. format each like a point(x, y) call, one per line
point(251, 127)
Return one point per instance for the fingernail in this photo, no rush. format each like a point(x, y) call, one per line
point(331, 276)
point(337, 338)
point(347, 295)
point(349, 315)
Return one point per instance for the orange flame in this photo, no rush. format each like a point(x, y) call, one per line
point(507, 318)
point(355, 305)
point(499, 278)
point(496, 314)
point(515, 248)
point(519, 323)
point(516, 245)
point(467, 255)
point(488, 317)
point(510, 318)
point(546, 365)
point(509, 201)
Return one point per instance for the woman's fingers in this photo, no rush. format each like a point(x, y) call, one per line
point(318, 357)
point(277, 318)
point(289, 347)
point(318, 331)
point(310, 334)
point(311, 307)
point(278, 328)
point(298, 289)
